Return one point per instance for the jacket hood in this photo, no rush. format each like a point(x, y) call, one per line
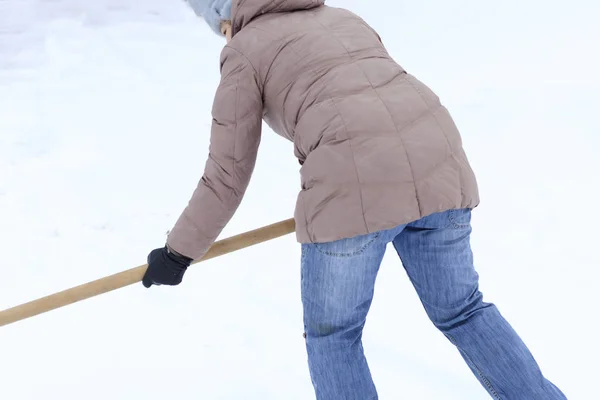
point(244, 11)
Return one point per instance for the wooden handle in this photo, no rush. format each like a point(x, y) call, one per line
point(135, 275)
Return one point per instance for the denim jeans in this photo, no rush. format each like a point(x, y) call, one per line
point(338, 280)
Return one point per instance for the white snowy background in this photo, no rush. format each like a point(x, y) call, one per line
point(104, 130)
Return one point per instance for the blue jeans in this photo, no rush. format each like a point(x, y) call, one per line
point(338, 279)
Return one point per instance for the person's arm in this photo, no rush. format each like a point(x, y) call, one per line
point(235, 137)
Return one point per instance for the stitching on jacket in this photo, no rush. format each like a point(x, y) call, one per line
point(310, 236)
point(261, 10)
point(233, 192)
point(235, 137)
point(249, 63)
point(434, 113)
point(343, 122)
point(460, 178)
point(460, 173)
point(412, 172)
point(389, 113)
point(360, 194)
point(275, 38)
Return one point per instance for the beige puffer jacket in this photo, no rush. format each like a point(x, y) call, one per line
point(376, 146)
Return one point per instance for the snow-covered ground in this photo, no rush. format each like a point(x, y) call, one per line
point(104, 128)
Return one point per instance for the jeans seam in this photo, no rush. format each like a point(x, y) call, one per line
point(485, 380)
point(352, 254)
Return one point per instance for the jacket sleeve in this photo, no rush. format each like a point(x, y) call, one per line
point(235, 138)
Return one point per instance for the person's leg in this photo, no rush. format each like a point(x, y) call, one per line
point(437, 256)
point(338, 280)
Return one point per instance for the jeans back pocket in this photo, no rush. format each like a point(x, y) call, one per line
point(460, 218)
point(349, 247)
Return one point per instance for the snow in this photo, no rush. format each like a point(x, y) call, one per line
point(104, 129)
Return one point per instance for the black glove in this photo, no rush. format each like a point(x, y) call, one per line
point(165, 268)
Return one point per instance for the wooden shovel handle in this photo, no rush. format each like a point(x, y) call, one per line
point(134, 275)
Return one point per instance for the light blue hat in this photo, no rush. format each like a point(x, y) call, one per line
point(213, 12)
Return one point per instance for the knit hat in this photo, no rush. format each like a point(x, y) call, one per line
point(213, 12)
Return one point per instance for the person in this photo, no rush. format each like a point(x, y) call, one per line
point(381, 162)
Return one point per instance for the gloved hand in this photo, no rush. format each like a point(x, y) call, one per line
point(165, 268)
